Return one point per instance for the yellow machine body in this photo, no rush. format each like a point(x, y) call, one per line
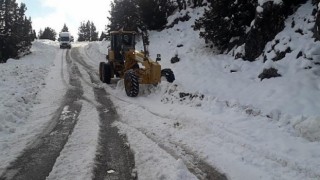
point(125, 58)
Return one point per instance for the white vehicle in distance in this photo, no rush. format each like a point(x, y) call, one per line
point(65, 40)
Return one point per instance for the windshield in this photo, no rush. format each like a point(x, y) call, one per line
point(128, 40)
point(64, 38)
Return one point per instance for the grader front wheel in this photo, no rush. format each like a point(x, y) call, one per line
point(105, 72)
point(168, 74)
point(131, 84)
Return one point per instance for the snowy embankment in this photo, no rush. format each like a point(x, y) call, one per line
point(21, 81)
point(292, 100)
point(221, 111)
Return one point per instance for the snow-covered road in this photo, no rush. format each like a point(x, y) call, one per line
point(53, 100)
point(72, 130)
point(77, 140)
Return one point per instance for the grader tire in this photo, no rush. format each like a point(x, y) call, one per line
point(131, 83)
point(107, 73)
point(168, 74)
point(101, 66)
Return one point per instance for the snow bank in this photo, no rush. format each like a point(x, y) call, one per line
point(20, 83)
point(20, 86)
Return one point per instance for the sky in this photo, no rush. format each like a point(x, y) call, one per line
point(54, 13)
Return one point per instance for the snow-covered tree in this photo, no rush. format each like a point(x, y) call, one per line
point(139, 14)
point(154, 13)
point(103, 36)
point(87, 32)
point(268, 22)
point(229, 23)
point(65, 28)
point(93, 32)
point(182, 4)
point(197, 3)
point(225, 20)
point(40, 33)
point(48, 33)
point(82, 32)
point(16, 31)
point(124, 15)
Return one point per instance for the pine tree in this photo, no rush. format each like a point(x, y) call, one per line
point(290, 4)
point(34, 35)
point(65, 28)
point(197, 3)
point(154, 13)
point(2, 22)
point(40, 33)
point(124, 15)
point(93, 32)
point(48, 33)
point(87, 32)
point(182, 4)
point(15, 30)
point(262, 32)
point(81, 33)
point(267, 24)
point(139, 14)
point(9, 48)
point(225, 20)
point(23, 31)
point(103, 36)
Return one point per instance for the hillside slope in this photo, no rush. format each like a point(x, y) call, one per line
point(291, 100)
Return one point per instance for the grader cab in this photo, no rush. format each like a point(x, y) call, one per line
point(133, 66)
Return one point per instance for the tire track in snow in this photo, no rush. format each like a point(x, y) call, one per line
point(114, 159)
point(63, 57)
point(36, 161)
point(200, 168)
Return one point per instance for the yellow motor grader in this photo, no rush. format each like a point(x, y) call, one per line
point(133, 66)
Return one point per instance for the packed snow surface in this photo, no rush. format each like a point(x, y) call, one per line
point(217, 110)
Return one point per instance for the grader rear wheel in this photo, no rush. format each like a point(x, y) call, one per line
point(107, 73)
point(131, 83)
point(101, 66)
